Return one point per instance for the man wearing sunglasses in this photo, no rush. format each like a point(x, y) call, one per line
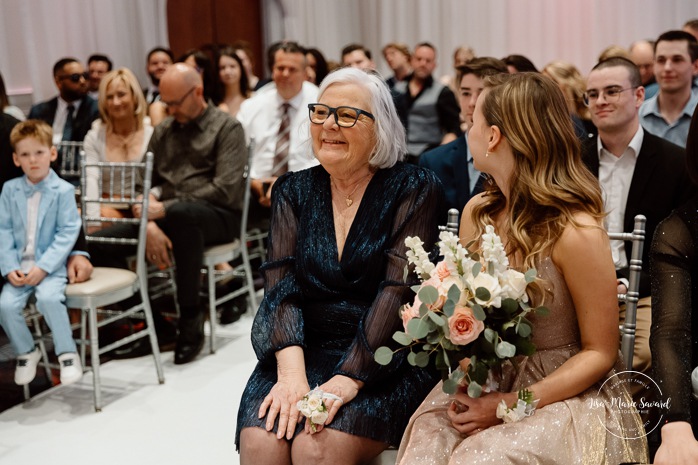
point(72, 112)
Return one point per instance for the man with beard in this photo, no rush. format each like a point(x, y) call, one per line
point(71, 113)
point(158, 60)
point(432, 110)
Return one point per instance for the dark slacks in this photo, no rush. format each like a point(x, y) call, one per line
point(191, 226)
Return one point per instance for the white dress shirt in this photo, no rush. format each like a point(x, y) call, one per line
point(61, 117)
point(615, 176)
point(33, 202)
point(261, 117)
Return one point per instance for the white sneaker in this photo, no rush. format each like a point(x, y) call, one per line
point(71, 368)
point(26, 367)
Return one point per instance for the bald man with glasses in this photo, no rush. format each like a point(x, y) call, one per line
point(71, 113)
point(197, 195)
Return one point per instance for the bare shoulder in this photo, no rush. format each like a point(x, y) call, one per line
point(587, 238)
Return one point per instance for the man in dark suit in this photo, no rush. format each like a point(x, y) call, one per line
point(452, 162)
point(71, 113)
point(639, 173)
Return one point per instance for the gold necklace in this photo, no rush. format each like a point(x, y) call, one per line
point(348, 199)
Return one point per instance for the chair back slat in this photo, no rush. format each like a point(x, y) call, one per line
point(631, 298)
point(113, 190)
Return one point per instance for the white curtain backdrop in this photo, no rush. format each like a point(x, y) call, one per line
point(543, 30)
point(34, 34)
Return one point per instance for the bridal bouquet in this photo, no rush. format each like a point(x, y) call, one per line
point(470, 312)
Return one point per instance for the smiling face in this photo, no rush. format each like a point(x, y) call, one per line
point(34, 157)
point(120, 103)
point(157, 65)
point(344, 150)
point(620, 113)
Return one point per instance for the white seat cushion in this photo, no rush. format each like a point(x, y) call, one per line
point(220, 249)
point(102, 281)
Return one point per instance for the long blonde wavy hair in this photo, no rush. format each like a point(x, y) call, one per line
point(550, 183)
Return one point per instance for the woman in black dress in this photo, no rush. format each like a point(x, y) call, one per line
point(674, 334)
point(334, 285)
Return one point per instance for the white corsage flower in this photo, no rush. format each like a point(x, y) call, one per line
point(490, 283)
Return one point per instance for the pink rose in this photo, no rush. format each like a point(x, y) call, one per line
point(441, 271)
point(410, 311)
point(463, 326)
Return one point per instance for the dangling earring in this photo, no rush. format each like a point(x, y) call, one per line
point(487, 154)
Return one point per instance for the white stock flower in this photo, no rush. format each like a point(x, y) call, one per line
point(513, 285)
point(493, 249)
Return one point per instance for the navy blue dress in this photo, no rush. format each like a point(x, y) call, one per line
point(339, 312)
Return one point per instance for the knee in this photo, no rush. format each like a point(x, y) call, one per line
point(307, 449)
point(258, 446)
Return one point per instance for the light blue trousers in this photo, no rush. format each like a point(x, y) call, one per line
point(50, 298)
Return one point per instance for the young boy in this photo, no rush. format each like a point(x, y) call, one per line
point(39, 223)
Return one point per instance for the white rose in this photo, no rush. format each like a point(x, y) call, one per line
point(490, 283)
point(302, 407)
point(514, 285)
point(314, 402)
point(319, 417)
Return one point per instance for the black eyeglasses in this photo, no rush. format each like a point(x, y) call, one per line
point(75, 77)
point(345, 117)
point(177, 103)
point(611, 94)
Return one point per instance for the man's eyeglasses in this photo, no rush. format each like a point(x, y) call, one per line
point(75, 77)
point(176, 103)
point(345, 117)
point(611, 94)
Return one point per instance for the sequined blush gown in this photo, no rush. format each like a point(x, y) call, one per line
point(579, 430)
point(340, 311)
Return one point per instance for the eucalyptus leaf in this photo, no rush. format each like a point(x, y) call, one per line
point(449, 307)
point(405, 272)
point(412, 359)
point(476, 269)
point(428, 295)
point(440, 362)
point(543, 311)
point(454, 293)
point(402, 338)
point(531, 275)
point(417, 328)
point(478, 312)
point(427, 347)
point(450, 386)
point(416, 288)
point(433, 337)
point(422, 359)
point(423, 309)
point(509, 305)
point(475, 256)
point(436, 318)
point(383, 355)
point(505, 350)
point(482, 294)
point(490, 335)
point(523, 330)
point(474, 389)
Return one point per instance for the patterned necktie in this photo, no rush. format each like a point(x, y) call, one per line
point(68, 128)
point(283, 141)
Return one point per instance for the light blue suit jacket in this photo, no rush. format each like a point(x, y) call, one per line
point(57, 228)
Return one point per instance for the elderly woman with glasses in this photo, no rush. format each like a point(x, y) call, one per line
point(334, 284)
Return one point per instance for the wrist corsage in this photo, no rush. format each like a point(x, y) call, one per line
point(524, 407)
point(313, 407)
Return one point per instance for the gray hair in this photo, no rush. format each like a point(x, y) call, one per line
point(390, 134)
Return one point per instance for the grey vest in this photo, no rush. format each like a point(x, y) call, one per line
point(423, 129)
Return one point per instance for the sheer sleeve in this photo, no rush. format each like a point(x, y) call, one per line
point(672, 257)
point(279, 321)
point(416, 216)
